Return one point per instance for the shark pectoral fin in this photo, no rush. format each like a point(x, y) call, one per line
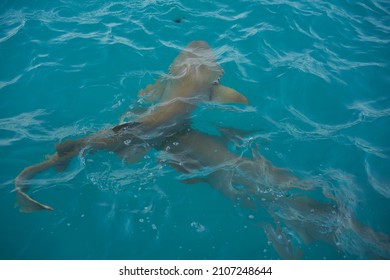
point(152, 93)
point(221, 94)
point(27, 204)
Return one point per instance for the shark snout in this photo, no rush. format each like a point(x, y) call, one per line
point(199, 44)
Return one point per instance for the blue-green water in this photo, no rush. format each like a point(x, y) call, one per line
point(317, 76)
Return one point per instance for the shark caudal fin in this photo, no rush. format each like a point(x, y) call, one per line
point(24, 201)
point(27, 204)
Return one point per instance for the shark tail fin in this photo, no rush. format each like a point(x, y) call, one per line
point(27, 204)
point(24, 201)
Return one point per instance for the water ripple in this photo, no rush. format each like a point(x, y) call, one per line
point(367, 109)
point(13, 30)
point(3, 84)
point(32, 126)
point(379, 183)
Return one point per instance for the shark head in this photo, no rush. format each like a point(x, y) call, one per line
point(196, 64)
point(193, 73)
point(193, 78)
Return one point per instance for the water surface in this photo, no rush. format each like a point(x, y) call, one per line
point(317, 76)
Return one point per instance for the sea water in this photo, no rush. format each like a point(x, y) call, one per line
point(317, 77)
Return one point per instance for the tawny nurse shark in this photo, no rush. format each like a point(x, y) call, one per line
point(252, 182)
point(193, 78)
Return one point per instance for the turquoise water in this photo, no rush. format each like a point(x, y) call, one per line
point(317, 76)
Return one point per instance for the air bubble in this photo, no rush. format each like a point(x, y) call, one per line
point(199, 227)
